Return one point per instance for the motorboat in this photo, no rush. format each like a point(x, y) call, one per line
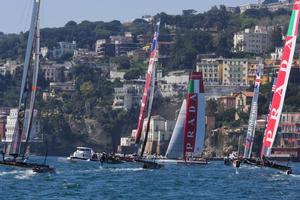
point(84, 153)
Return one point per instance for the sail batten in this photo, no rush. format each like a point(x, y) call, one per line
point(281, 83)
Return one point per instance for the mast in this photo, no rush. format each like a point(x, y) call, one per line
point(281, 83)
point(194, 125)
point(253, 115)
point(149, 77)
point(149, 112)
point(33, 87)
point(19, 128)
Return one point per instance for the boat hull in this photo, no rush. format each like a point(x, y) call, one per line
point(269, 164)
point(149, 164)
point(192, 162)
point(39, 168)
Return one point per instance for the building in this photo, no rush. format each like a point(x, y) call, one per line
point(11, 123)
point(148, 18)
point(68, 86)
point(159, 135)
point(105, 49)
point(53, 72)
point(115, 74)
point(243, 101)
point(235, 72)
point(10, 67)
point(172, 90)
point(128, 96)
point(253, 41)
point(252, 70)
point(227, 102)
point(177, 77)
point(211, 70)
point(277, 54)
point(64, 48)
point(124, 44)
point(284, 4)
point(245, 7)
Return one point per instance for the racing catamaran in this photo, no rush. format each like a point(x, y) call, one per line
point(187, 141)
point(24, 124)
point(147, 101)
point(279, 94)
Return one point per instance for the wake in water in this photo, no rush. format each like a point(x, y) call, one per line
point(9, 173)
point(27, 174)
point(125, 169)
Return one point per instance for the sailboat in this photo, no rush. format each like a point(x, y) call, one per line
point(279, 94)
point(233, 158)
point(187, 141)
point(147, 101)
point(194, 124)
point(17, 151)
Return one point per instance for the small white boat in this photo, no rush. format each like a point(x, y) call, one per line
point(84, 153)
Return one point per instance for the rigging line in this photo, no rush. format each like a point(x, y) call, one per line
point(24, 17)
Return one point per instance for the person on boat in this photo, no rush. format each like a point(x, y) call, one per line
point(103, 157)
point(3, 155)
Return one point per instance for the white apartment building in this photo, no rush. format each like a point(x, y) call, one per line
point(235, 72)
point(11, 123)
point(177, 77)
point(211, 71)
point(253, 41)
point(160, 132)
point(9, 67)
point(64, 48)
point(245, 7)
point(127, 96)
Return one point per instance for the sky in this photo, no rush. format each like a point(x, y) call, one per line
point(15, 14)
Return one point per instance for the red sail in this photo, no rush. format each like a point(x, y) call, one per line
point(149, 77)
point(282, 81)
point(193, 125)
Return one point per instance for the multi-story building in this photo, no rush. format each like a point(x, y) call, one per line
point(105, 49)
point(53, 72)
point(252, 70)
point(244, 8)
point(124, 44)
point(253, 41)
point(68, 86)
point(284, 4)
point(176, 77)
point(35, 134)
point(211, 70)
point(235, 72)
point(160, 132)
point(127, 96)
point(9, 67)
point(64, 48)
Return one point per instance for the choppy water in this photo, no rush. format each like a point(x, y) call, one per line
point(86, 180)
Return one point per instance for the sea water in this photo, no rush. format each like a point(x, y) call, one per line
point(89, 180)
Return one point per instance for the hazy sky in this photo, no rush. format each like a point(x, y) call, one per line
point(15, 14)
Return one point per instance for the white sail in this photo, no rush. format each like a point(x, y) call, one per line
point(176, 143)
